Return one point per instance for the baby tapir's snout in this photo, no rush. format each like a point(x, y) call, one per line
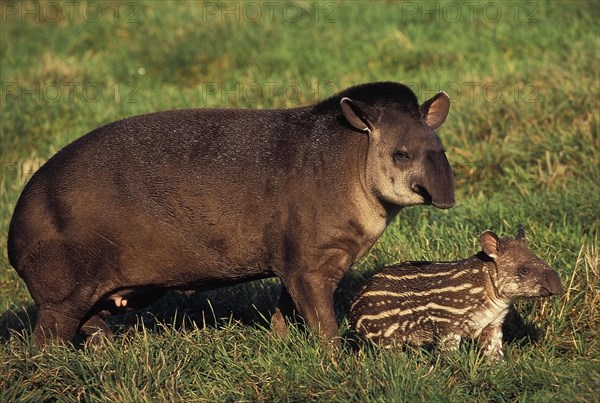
point(424, 302)
point(551, 285)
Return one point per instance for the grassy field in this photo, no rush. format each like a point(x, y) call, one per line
point(522, 137)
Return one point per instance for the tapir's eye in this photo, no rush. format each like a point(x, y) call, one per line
point(523, 271)
point(401, 156)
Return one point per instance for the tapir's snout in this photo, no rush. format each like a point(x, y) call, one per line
point(438, 181)
point(552, 286)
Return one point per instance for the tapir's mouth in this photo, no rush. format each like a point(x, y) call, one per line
point(545, 292)
point(442, 205)
point(429, 200)
point(553, 286)
point(421, 191)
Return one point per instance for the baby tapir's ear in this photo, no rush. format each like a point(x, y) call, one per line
point(360, 115)
point(435, 110)
point(521, 236)
point(489, 243)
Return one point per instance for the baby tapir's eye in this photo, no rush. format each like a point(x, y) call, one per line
point(400, 156)
point(523, 271)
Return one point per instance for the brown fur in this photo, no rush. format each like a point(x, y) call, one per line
point(204, 198)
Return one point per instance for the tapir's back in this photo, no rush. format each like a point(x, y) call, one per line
point(190, 139)
point(205, 183)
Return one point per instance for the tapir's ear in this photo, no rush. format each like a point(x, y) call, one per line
point(489, 243)
point(435, 110)
point(521, 236)
point(360, 115)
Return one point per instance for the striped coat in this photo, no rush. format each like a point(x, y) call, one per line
point(425, 302)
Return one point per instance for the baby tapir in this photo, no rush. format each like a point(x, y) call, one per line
point(204, 198)
point(424, 302)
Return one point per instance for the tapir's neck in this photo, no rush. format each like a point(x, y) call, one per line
point(391, 210)
point(370, 203)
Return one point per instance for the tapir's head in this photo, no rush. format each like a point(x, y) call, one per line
point(406, 163)
point(519, 272)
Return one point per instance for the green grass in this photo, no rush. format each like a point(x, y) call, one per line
point(522, 137)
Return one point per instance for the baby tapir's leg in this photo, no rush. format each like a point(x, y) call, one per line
point(449, 342)
point(490, 341)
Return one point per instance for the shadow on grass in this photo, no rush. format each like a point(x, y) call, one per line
point(516, 331)
point(250, 304)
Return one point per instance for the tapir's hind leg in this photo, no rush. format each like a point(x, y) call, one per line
point(61, 278)
point(54, 324)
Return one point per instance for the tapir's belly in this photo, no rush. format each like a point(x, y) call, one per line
point(184, 254)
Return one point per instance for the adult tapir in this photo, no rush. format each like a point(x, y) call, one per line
point(203, 198)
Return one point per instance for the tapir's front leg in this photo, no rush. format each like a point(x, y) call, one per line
point(490, 341)
point(312, 291)
point(314, 298)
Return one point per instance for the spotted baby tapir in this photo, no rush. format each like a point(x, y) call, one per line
point(440, 302)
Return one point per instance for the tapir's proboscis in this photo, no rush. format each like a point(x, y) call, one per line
point(202, 198)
